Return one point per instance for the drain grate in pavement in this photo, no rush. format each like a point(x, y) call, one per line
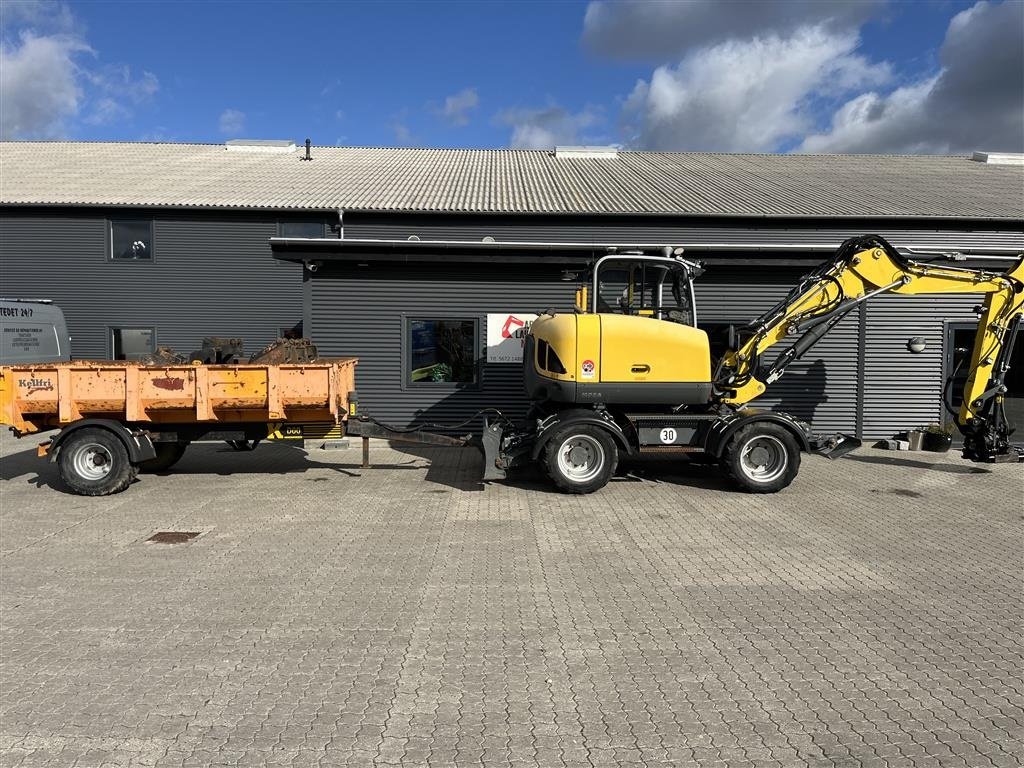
point(173, 537)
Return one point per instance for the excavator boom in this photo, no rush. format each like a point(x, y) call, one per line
point(864, 267)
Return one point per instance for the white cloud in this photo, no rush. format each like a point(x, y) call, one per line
point(39, 85)
point(40, 15)
point(457, 107)
point(403, 134)
point(746, 96)
point(976, 101)
point(548, 127)
point(50, 78)
point(118, 92)
point(231, 122)
point(661, 29)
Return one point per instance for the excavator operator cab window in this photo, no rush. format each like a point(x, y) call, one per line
point(652, 287)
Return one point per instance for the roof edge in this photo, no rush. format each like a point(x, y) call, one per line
point(515, 214)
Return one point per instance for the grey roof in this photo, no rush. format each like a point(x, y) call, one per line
point(507, 181)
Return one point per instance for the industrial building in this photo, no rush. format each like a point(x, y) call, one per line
point(416, 260)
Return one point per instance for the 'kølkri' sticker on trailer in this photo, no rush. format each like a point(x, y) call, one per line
point(587, 369)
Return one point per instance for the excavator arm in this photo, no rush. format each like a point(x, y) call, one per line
point(868, 266)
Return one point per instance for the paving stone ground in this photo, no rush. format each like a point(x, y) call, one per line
point(869, 615)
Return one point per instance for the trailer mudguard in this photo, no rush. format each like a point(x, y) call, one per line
point(138, 443)
point(718, 436)
point(547, 428)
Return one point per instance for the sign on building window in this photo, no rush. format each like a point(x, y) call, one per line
point(506, 335)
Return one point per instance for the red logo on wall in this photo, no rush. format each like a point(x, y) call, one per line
point(510, 326)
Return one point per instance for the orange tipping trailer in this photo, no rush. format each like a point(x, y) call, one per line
point(117, 418)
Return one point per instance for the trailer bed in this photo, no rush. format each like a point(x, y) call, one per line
point(50, 395)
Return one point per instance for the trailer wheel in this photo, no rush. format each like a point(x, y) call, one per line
point(581, 458)
point(761, 458)
point(167, 455)
point(94, 462)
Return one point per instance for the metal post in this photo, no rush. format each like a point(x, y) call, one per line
point(366, 453)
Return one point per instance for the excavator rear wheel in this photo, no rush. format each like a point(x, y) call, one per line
point(761, 458)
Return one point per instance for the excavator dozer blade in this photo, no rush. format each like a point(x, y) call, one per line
point(835, 446)
point(491, 444)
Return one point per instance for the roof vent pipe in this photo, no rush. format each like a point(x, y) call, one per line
point(308, 156)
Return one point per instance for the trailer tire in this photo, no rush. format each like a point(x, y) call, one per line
point(167, 455)
point(581, 458)
point(761, 458)
point(94, 462)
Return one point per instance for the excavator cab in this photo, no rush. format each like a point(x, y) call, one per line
point(631, 340)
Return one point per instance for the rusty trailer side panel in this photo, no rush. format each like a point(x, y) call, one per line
point(49, 395)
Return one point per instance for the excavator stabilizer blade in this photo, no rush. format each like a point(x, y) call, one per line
point(491, 444)
point(835, 446)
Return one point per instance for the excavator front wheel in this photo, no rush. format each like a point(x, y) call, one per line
point(761, 458)
point(581, 458)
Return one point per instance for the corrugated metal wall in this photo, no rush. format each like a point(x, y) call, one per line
point(821, 388)
point(903, 390)
point(210, 276)
point(900, 390)
point(358, 311)
point(213, 275)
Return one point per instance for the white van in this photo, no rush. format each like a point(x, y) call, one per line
point(32, 331)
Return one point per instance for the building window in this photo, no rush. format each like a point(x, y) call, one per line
point(290, 331)
point(306, 229)
point(131, 240)
point(132, 343)
point(441, 351)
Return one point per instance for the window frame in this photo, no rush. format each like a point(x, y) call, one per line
point(408, 385)
point(112, 220)
point(282, 222)
point(112, 347)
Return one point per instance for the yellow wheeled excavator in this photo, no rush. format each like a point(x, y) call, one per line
point(629, 372)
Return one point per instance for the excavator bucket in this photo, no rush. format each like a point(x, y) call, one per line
point(835, 446)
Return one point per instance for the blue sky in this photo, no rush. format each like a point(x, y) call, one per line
point(779, 75)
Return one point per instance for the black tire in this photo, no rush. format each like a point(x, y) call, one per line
point(761, 458)
point(167, 455)
point(94, 462)
point(590, 468)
